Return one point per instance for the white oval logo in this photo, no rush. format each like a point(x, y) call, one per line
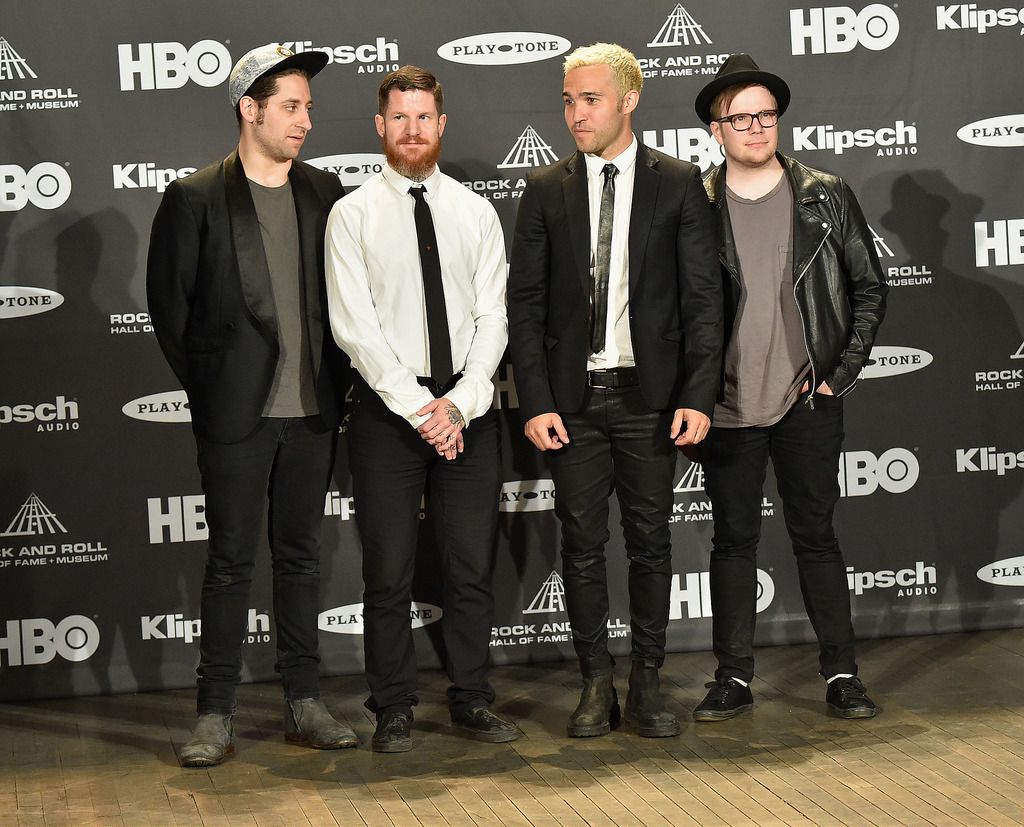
point(27, 301)
point(171, 406)
point(348, 620)
point(354, 169)
point(503, 48)
point(892, 361)
point(1008, 572)
point(1002, 130)
point(527, 495)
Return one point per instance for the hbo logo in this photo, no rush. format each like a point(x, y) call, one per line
point(46, 185)
point(38, 640)
point(171, 65)
point(693, 145)
point(861, 472)
point(840, 29)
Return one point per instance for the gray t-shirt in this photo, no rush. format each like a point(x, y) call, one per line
point(766, 358)
point(293, 392)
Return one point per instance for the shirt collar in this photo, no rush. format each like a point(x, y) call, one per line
point(403, 184)
point(623, 161)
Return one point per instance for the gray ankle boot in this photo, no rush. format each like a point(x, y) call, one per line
point(307, 722)
point(210, 743)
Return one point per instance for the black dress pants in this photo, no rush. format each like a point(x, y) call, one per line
point(282, 469)
point(615, 442)
point(804, 449)
point(392, 467)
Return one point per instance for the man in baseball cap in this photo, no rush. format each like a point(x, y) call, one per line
point(236, 291)
point(804, 296)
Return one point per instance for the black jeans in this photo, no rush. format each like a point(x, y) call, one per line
point(615, 442)
point(282, 469)
point(804, 449)
point(392, 467)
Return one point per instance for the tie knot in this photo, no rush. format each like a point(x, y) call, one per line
point(610, 171)
point(417, 192)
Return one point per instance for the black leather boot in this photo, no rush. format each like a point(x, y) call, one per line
point(645, 709)
point(598, 709)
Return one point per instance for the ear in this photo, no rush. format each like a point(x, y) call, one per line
point(441, 121)
point(378, 121)
point(716, 130)
point(630, 101)
point(249, 108)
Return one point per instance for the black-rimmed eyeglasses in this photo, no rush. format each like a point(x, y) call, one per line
point(742, 121)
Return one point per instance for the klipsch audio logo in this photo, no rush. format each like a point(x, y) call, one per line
point(348, 620)
point(146, 175)
point(839, 29)
point(59, 415)
point(33, 520)
point(46, 186)
point(969, 16)
point(13, 67)
point(179, 627)
point(693, 590)
point(353, 169)
point(38, 640)
point(892, 361)
point(999, 243)
point(1002, 130)
point(915, 582)
point(898, 139)
point(689, 144)
point(971, 460)
point(170, 65)
point(368, 58)
point(503, 48)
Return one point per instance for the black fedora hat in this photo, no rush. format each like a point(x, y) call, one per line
point(740, 68)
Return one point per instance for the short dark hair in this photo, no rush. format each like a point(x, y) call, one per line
point(724, 98)
point(406, 79)
point(264, 88)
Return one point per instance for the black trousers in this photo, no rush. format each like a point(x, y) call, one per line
point(804, 449)
point(283, 470)
point(392, 467)
point(615, 442)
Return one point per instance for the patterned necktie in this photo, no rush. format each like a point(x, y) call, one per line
point(602, 261)
point(433, 292)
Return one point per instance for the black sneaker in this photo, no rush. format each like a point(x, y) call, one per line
point(725, 699)
point(484, 725)
point(393, 733)
point(847, 698)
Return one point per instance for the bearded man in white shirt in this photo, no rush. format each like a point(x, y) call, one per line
point(416, 288)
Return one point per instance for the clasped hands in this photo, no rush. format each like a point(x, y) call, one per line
point(443, 429)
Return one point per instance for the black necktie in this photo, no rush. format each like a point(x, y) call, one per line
point(433, 292)
point(603, 260)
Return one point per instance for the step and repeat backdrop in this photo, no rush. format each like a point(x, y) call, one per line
point(102, 527)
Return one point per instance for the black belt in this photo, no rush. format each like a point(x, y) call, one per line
point(613, 378)
point(435, 388)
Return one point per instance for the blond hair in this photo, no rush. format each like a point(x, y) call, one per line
point(623, 63)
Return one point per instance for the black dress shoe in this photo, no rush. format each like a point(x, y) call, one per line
point(210, 743)
point(308, 722)
point(725, 699)
point(598, 709)
point(393, 733)
point(847, 698)
point(645, 709)
point(484, 725)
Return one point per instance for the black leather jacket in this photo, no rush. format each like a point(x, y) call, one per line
point(838, 282)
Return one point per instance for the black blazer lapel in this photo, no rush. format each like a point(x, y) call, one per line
point(309, 213)
point(646, 182)
point(577, 212)
point(248, 243)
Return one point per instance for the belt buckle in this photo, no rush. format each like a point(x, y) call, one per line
point(594, 381)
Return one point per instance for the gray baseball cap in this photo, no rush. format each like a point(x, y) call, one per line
point(266, 60)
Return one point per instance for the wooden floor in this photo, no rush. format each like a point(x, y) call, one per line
point(947, 748)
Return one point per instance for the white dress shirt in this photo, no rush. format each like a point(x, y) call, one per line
point(618, 350)
point(375, 289)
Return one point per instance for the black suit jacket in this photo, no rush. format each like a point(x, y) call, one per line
point(675, 293)
point(212, 303)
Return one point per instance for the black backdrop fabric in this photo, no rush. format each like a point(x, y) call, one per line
point(102, 523)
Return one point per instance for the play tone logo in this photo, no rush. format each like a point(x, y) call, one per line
point(503, 48)
point(348, 620)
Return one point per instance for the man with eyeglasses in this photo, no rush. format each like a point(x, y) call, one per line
point(804, 296)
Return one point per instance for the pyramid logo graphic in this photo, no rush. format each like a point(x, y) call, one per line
point(881, 248)
point(12, 64)
point(529, 150)
point(680, 29)
point(550, 598)
point(34, 518)
point(1020, 352)
point(692, 481)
